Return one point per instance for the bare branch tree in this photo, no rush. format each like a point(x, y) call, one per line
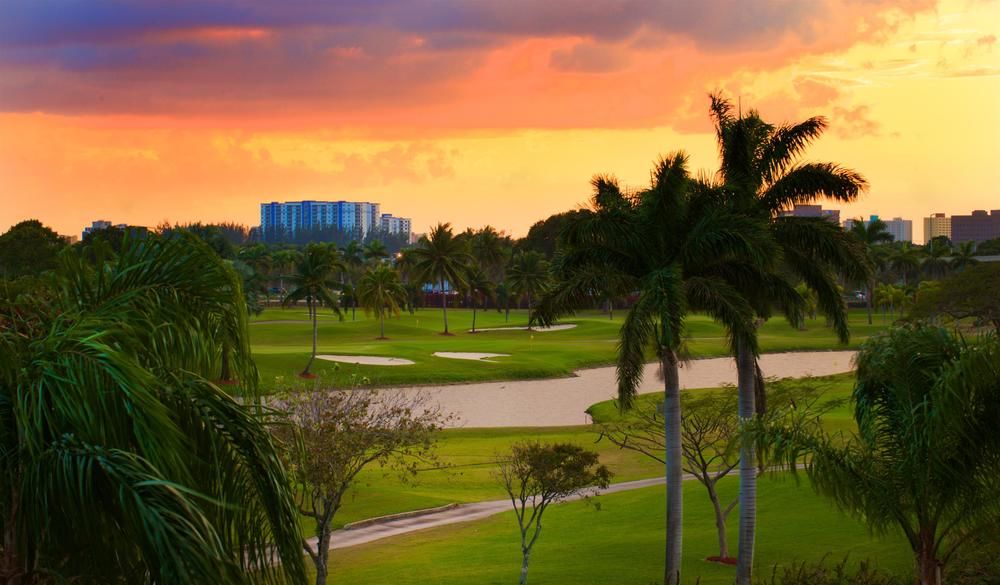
point(333, 436)
point(710, 435)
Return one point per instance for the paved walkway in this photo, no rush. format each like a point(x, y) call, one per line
point(562, 401)
point(460, 513)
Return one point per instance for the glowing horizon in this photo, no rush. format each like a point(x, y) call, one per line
point(474, 113)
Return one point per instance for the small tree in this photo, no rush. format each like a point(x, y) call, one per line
point(972, 294)
point(710, 435)
point(536, 475)
point(333, 436)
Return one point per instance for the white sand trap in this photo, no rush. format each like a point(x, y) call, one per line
point(538, 329)
point(469, 355)
point(367, 360)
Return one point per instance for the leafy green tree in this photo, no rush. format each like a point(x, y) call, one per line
point(543, 236)
point(314, 281)
point(924, 458)
point(28, 249)
point(972, 294)
point(528, 275)
point(762, 172)
point(871, 235)
point(440, 258)
point(537, 475)
point(963, 256)
point(336, 435)
point(988, 247)
point(113, 430)
point(480, 287)
point(669, 244)
point(381, 292)
point(283, 261)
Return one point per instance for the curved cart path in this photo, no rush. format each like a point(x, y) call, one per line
point(562, 401)
point(380, 529)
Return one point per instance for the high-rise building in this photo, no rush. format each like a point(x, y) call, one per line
point(978, 227)
point(395, 225)
point(937, 225)
point(900, 229)
point(814, 211)
point(289, 217)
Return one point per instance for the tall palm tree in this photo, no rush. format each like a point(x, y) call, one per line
point(480, 288)
point(375, 251)
point(380, 291)
point(314, 281)
point(924, 458)
point(283, 261)
point(963, 256)
point(904, 260)
point(440, 258)
point(668, 243)
point(490, 250)
point(762, 172)
point(935, 263)
point(527, 275)
point(353, 256)
point(872, 234)
point(113, 430)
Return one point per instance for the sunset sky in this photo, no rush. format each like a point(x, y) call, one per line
point(472, 111)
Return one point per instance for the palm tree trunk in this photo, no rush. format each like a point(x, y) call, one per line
point(746, 387)
point(444, 306)
point(312, 357)
point(473, 317)
point(674, 469)
point(928, 566)
point(868, 301)
point(226, 375)
point(611, 310)
point(381, 332)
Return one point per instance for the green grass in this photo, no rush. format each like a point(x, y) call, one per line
point(466, 458)
point(282, 349)
point(619, 543)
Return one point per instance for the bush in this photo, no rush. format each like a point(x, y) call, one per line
point(821, 574)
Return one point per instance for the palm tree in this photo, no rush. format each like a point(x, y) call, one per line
point(283, 261)
point(441, 258)
point(492, 251)
point(480, 287)
point(375, 251)
point(668, 244)
point(935, 264)
point(905, 260)
point(380, 291)
point(964, 256)
point(871, 235)
point(763, 175)
point(527, 275)
point(354, 260)
point(314, 281)
point(924, 457)
point(113, 429)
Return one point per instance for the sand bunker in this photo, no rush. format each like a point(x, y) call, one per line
point(367, 360)
point(469, 355)
point(538, 329)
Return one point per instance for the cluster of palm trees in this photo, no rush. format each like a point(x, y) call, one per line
point(717, 245)
point(479, 267)
point(900, 268)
